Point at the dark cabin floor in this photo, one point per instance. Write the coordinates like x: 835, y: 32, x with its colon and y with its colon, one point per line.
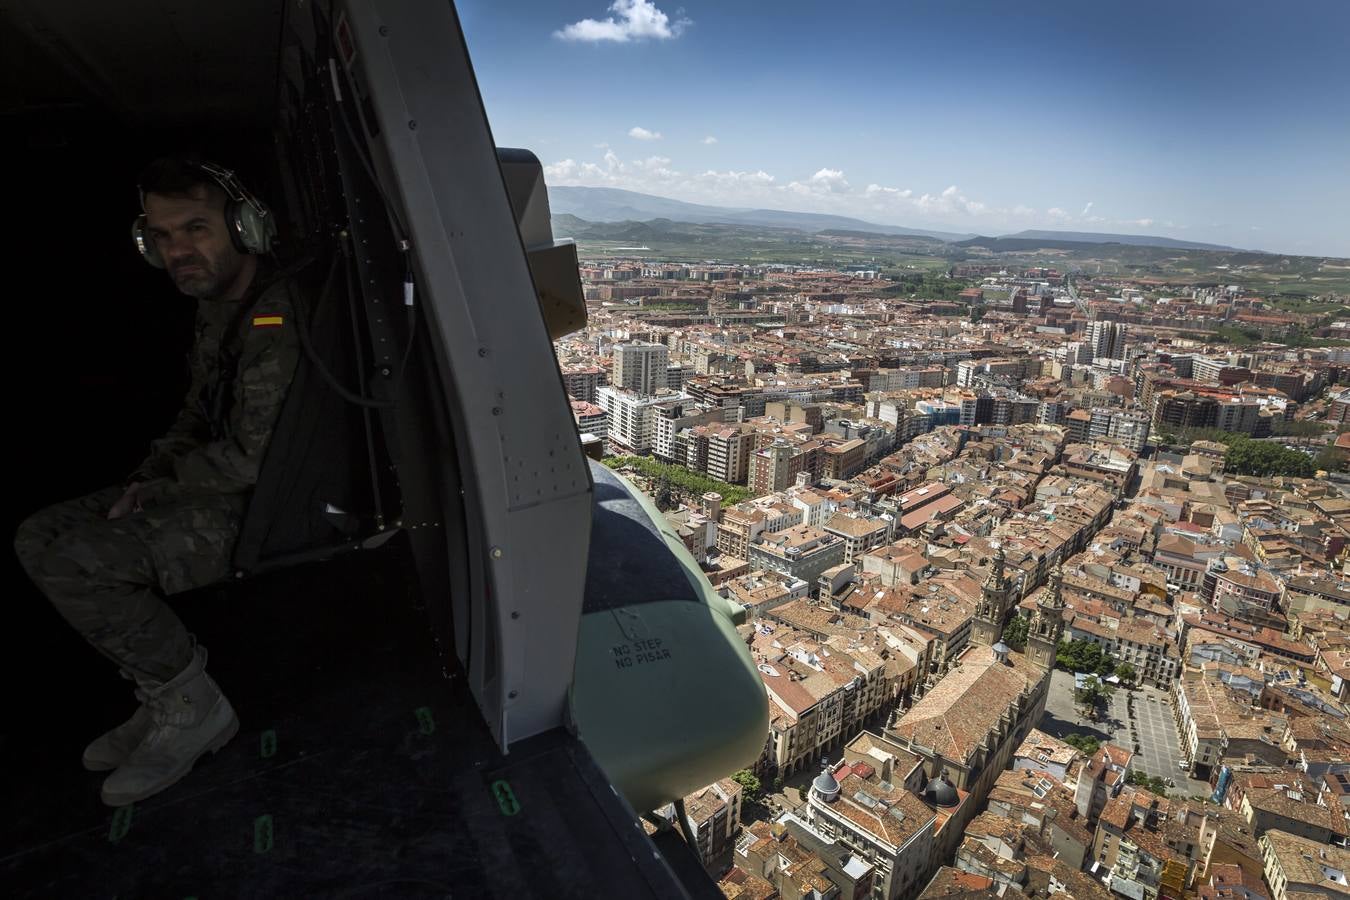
x: 360, y: 770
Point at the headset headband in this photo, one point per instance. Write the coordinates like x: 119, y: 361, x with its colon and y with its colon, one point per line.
x: 226, y: 180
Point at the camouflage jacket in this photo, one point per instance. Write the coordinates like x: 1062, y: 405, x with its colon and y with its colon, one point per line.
x: 242, y: 361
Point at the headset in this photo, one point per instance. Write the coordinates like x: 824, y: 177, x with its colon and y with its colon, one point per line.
x: 250, y: 223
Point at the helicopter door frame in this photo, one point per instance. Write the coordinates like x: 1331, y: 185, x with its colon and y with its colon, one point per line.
x: 430, y: 142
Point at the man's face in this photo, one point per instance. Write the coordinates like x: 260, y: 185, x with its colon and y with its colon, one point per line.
x: 189, y: 232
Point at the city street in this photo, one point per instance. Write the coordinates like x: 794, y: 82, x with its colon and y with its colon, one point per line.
x: 1150, y: 726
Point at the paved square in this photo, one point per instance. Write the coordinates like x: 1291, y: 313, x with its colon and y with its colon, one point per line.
x: 1140, y: 716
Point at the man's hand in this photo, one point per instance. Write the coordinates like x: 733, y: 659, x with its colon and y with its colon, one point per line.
x: 127, y: 503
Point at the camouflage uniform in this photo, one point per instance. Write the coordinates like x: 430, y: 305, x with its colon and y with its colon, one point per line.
x: 108, y: 578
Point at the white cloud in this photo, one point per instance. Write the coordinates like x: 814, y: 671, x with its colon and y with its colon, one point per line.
x: 642, y: 134
x: 827, y: 190
x: 633, y: 20
x: 601, y: 146
x: 562, y: 170
x: 758, y: 178
x: 876, y: 190
x: 825, y: 181
x: 1087, y: 209
x: 950, y: 202
x: 710, y: 140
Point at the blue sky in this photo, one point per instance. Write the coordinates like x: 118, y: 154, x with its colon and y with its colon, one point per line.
x: 1213, y: 121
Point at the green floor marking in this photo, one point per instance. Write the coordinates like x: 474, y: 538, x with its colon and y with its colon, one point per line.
x: 425, y: 723
x: 262, y: 834
x: 506, y: 798
x: 268, y: 743
x: 121, y: 823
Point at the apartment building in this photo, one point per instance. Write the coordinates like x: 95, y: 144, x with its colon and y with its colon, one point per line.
x: 590, y: 419
x: 1133, y: 846
x: 582, y: 382
x: 1235, y: 586
x: 821, y: 690
x: 640, y: 367
x: 721, y: 452
x: 715, y: 815
x: 632, y: 417
x: 802, y: 552
x: 1298, y: 867
x: 860, y: 533
x: 867, y: 803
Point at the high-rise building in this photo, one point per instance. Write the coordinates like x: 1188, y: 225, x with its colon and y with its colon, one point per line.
x: 582, y: 382
x: 1107, y: 339
x: 632, y: 417
x: 640, y: 367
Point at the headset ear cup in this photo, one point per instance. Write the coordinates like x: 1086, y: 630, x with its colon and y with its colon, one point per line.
x: 252, y: 231
x: 149, y: 252
x: 234, y: 224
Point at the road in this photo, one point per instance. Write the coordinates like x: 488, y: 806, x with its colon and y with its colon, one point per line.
x: 1073, y: 295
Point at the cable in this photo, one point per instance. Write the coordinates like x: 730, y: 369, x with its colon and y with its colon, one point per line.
x: 358, y: 397
x: 401, y: 234
x: 312, y: 355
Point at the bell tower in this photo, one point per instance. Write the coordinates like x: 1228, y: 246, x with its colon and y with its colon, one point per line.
x: 992, y: 613
x: 1047, y: 623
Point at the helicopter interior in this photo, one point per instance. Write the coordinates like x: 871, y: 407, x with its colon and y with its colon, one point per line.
x: 370, y: 762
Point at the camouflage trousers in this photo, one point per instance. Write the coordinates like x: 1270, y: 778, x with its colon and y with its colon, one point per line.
x: 109, y: 578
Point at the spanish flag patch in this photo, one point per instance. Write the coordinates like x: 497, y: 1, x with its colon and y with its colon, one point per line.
x: 267, y: 321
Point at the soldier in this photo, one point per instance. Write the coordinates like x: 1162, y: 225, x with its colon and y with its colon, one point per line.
x: 108, y: 560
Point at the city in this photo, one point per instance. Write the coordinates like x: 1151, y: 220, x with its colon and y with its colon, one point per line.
x: 1046, y: 571
x: 606, y: 448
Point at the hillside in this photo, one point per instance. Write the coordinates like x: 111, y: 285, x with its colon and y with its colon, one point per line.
x: 614, y: 205
x: 1092, y: 237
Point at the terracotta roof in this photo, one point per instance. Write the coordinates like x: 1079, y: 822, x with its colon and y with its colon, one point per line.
x: 966, y: 705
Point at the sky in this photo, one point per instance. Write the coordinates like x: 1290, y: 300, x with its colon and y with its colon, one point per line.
x: 1225, y: 122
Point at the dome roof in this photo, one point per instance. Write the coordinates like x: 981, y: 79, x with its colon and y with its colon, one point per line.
x: 941, y: 793
x: 1001, y: 649
x: 826, y: 784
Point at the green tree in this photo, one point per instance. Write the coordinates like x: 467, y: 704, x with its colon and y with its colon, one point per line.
x: 1331, y: 459
x: 1084, y: 656
x: 1015, y: 635
x: 1297, y: 428
x: 1126, y: 673
x: 749, y: 781
x: 1265, y: 458
x: 1084, y: 743
x: 691, y: 484
x: 1093, y: 692
x: 1151, y: 783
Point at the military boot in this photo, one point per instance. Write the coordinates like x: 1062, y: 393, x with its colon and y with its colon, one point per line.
x: 189, y: 716
x: 110, y: 750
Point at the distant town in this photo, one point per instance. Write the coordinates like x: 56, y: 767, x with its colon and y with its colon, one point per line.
x: 1046, y: 571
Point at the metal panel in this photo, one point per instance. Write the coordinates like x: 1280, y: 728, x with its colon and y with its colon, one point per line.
x: 502, y: 383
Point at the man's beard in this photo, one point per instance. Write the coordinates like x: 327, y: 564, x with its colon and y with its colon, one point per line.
x: 197, y: 277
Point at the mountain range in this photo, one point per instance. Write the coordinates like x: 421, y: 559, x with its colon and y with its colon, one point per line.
x: 593, y: 204
x: 615, y: 205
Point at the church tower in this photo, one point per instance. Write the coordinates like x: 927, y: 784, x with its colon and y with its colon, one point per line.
x: 992, y: 613
x: 1047, y: 623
